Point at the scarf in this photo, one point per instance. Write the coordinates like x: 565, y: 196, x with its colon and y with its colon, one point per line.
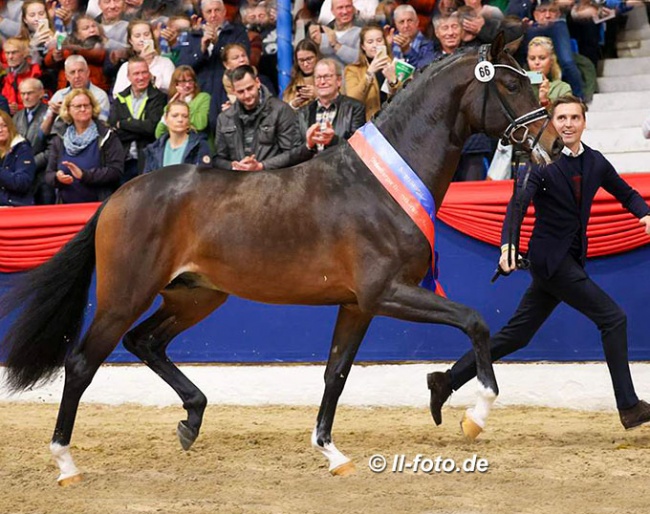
x: 75, y: 143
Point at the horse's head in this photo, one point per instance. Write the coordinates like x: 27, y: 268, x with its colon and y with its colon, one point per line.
x: 501, y: 102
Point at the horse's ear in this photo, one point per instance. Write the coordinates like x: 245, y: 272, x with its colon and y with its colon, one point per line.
x: 497, y: 46
x: 513, y: 45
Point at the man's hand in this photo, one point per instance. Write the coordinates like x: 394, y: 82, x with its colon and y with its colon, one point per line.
x: 314, y: 34
x: 508, y: 260
x: 646, y: 221
x: 248, y: 163
x: 404, y: 42
x: 317, y: 135
x: 55, y: 107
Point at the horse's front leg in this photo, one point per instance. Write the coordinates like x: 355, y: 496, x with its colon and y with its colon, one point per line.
x: 417, y: 304
x: 351, y: 326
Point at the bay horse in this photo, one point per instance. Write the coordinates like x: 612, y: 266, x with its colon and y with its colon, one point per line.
x: 324, y: 232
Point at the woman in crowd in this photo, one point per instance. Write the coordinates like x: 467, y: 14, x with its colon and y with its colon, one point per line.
x: 142, y: 42
x: 300, y: 90
x: 185, y: 88
x: 179, y: 145
x: 17, y: 166
x: 85, y: 164
x: 87, y: 39
x: 37, y: 28
x: 541, y: 57
x: 372, y: 78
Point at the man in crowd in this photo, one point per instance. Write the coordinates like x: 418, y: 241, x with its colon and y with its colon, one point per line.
x: 339, y: 116
x: 28, y: 124
x: 409, y: 43
x: 135, y: 114
x: 339, y: 39
x: 449, y: 33
x: 563, y: 194
x: 259, y: 131
x: 113, y: 22
x: 78, y: 75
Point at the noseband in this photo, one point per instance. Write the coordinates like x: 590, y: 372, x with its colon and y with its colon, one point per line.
x: 517, y: 132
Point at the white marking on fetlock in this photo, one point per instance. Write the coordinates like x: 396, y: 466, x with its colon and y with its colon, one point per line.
x: 64, y: 460
x: 485, y: 399
x: 334, y: 456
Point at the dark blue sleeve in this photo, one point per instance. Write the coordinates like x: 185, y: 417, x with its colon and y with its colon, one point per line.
x: 191, y: 54
x: 20, y: 179
x: 4, y: 104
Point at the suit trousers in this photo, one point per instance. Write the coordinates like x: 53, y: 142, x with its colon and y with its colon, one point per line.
x: 572, y: 285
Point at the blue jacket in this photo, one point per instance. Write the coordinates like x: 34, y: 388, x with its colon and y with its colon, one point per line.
x: 17, y: 173
x: 558, y: 217
x: 197, y: 152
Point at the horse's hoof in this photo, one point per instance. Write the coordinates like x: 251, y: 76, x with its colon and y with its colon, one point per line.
x: 186, y: 435
x: 470, y: 428
x: 346, y: 469
x: 74, y: 479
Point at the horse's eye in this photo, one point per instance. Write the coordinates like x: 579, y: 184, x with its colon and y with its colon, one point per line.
x: 513, y: 86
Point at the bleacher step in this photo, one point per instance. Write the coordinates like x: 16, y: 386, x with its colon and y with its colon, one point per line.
x: 613, y: 120
x: 622, y: 140
x: 620, y: 101
x: 624, y: 83
x: 626, y: 66
x: 631, y: 162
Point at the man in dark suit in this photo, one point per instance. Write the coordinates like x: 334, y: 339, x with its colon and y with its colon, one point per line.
x: 28, y: 124
x: 338, y: 115
x: 562, y: 193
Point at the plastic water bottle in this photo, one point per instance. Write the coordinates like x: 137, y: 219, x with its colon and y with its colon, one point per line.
x: 163, y: 43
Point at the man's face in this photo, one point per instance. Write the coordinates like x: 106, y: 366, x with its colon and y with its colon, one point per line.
x: 449, y: 34
x: 545, y: 14
x: 138, y: 74
x: 247, y: 91
x: 570, y: 123
x: 343, y: 11
x: 326, y: 80
x: 15, y: 56
x: 111, y: 9
x: 77, y: 74
x: 31, y: 94
x: 214, y: 13
x: 407, y: 24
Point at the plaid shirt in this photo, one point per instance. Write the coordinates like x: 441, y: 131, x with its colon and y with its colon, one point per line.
x: 323, y: 115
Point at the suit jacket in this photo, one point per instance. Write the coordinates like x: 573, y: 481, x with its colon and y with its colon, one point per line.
x: 32, y: 133
x: 350, y: 115
x: 558, y: 216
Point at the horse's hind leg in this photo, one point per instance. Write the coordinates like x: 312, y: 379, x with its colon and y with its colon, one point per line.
x: 418, y: 304
x: 351, y: 326
x: 182, y: 307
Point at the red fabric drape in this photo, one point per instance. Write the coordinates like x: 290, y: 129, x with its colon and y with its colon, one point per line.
x: 31, y: 235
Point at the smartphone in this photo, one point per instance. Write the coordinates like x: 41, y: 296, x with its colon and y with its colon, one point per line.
x: 381, y: 52
x: 535, y: 77
x: 148, y: 47
x: 299, y: 87
x: 42, y: 22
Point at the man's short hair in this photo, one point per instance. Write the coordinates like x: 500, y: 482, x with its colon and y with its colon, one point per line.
x: 438, y: 19
x: 570, y: 99
x: 205, y: 2
x: 332, y: 63
x: 241, y: 71
x: 75, y: 59
x: 30, y: 81
x: 403, y: 9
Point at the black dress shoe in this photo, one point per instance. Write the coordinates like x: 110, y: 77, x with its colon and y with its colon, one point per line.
x: 440, y: 385
x: 635, y: 416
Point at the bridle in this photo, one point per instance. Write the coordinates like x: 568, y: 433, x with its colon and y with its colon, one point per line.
x: 518, y: 131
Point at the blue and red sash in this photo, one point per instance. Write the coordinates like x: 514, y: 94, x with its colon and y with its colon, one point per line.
x: 404, y: 186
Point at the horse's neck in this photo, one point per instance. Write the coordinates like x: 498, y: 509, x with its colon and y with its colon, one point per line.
x: 431, y: 149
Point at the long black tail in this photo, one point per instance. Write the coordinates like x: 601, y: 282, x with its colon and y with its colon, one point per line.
x: 50, y: 301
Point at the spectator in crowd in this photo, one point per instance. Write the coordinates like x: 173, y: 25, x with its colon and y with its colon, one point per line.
x: 65, y: 11
x: 135, y: 114
x: 548, y: 22
x: 37, y: 29
x: 449, y: 33
x: 142, y: 43
x: 366, y: 10
x: 176, y: 34
x: 563, y: 193
x: 78, y: 75
x: 541, y: 57
x: 338, y: 116
x: 113, y: 23
x: 132, y: 9
x: 301, y: 90
x: 17, y: 168
x: 87, y: 39
x: 480, y: 22
x: 249, y: 14
x: 372, y: 78
x: 86, y: 162
x: 203, y: 52
x: 185, y: 88
x: 28, y: 124
x: 18, y: 69
x: 409, y: 43
x: 339, y: 39
x: 265, y: 26
x: 10, y: 15
x: 4, y: 105
x: 179, y: 144
x: 258, y: 132
x: 584, y: 30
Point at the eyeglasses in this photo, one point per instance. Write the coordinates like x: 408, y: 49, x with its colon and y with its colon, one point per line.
x: 81, y: 107
x: 306, y: 60
x: 326, y: 78
x: 188, y: 81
